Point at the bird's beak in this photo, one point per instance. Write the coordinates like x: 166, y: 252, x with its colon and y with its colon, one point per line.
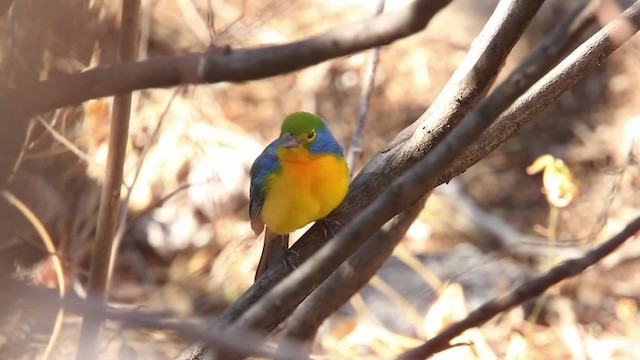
x: 288, y: 141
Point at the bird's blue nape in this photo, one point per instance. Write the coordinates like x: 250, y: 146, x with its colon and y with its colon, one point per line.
x: 325, y: 143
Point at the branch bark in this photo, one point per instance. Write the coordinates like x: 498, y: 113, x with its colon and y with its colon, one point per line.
x: 350, y: 277
x: 528, y: 290
x: 355, y: 148
x: 219, y: 64
x: 341, y: 285
x: 395, y: 159
x: 110, y: 197
x: 469, y: 83
x: 401, y: 194
x: 564, y: 76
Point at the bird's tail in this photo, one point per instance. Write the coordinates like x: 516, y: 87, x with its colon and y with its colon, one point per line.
x: 272, y: 251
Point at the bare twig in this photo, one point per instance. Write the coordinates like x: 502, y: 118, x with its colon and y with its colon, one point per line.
x: 508, y: 238
x: 194, y: 21
x: 348, y: 279
x: 124, y: 208
x: 522, y: 293
x: 602, y: 219
x: 110, y: 197
x: 23, y: 150
x: 68, y: 144
x: 157, y: 203
x: 564, y: 76
x: 129, y: 315
x: 355, y: 148
x: 217, y: 66
x: 561, y: 39
x: 57, y: 264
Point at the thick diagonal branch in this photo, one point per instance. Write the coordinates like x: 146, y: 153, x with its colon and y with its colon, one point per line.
x: 387, y: 165
x: 350, y: 277
x: 422, y: 177
x: 324, y: 300
x: 401, y: 194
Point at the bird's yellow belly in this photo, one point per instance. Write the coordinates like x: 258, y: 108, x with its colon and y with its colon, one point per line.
x: 303, y: 192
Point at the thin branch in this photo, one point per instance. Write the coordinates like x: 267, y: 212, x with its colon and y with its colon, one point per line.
x: 110, y: 196
x: 347, y: 280
x: 55, y: 258
x: 219, y: 64
x: 564, y: 76
x: 191, y: 17
x: 528, y: 290
x: 23, y: 151
x: 355, y: 148
x: 129, y: 315
x: 156, y: 204
x: 561, y: 39
x: 508, y: 238
x: 124, y: 208
x: 68, y: 144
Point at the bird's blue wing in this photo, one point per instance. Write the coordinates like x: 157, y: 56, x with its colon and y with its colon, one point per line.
x: 262, y: 167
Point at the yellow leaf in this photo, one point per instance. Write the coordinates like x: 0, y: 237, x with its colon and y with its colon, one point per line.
x: 557, y: 180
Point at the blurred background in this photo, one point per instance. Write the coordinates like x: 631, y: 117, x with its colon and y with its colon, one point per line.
x: 187, y: 249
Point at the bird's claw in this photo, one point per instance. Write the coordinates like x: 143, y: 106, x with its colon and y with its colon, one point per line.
x: 290, y: 258
x: 330, y: 226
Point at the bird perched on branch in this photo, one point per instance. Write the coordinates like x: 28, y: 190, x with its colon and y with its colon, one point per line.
x: 300, y: 177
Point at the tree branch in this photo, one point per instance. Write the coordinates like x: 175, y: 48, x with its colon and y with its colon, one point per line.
x: 528, y: 290
x: 563, y: 77
x: 355, y: 148
x: 350, y: 277
x: 110, y: 197
x: 219, y: 64
x: 402, y: 193
x: 391, y: 162
x: 471, y: 80
x: 469, y: 83
x: 422, y: 177
x: 266, y: 282
x: 529, y: 107
x: 46, y: 301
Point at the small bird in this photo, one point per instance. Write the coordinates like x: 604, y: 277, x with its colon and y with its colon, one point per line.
x: 300, y: 177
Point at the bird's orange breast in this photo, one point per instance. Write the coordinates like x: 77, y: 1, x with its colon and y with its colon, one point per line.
x: 307, y: 188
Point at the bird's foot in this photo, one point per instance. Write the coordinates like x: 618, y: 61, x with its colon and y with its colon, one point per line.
x: 291, y: 258
x: 330, y: 226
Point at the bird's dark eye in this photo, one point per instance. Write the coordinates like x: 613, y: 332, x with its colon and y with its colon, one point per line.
x: 311, y: 135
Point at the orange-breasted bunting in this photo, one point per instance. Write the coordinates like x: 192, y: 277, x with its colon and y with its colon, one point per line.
x: 300, y: 177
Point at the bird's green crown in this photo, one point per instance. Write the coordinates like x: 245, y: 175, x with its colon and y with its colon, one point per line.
x: 301, y: 123
x: 308, y: 131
